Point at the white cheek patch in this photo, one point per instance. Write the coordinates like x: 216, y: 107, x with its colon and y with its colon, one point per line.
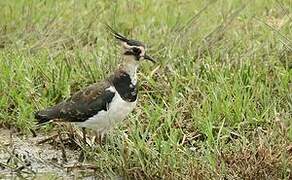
x: 126, y: 46
x: 142, y: 51
x: 111, y: 89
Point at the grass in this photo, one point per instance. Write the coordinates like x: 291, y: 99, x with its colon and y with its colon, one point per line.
x: 217, y: 105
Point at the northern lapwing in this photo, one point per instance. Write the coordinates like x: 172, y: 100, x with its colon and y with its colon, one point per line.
x: 102, y: 105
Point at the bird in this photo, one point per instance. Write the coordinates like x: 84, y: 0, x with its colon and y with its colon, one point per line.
x: 107, y: 102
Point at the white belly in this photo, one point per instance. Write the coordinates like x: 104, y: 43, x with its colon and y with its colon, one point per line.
x: 117, y: 111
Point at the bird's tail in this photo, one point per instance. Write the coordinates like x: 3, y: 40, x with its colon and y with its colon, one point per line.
x: 45, y: 115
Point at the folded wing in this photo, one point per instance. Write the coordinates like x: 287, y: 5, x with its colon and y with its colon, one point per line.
x: 81, y: 106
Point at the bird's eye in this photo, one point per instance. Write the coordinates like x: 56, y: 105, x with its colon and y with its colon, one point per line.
x: 137, y: 51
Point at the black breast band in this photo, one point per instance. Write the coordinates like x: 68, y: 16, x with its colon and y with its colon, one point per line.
x: 125, y: 88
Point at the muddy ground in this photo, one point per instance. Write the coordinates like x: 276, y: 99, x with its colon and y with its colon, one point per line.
x: 23, y: 157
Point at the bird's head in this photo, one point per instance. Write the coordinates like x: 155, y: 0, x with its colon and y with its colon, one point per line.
x: 132, y: 48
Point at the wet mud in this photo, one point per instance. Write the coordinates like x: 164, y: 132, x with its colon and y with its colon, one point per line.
x: 24, y: 157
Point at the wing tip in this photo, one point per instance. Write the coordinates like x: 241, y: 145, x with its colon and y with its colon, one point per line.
x: 41, y: 118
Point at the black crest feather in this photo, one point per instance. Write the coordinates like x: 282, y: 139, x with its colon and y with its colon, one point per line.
x: 116, y: 34
x: 130, y: 42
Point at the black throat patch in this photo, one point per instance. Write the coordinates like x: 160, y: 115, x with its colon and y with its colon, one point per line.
x: 125, y: 88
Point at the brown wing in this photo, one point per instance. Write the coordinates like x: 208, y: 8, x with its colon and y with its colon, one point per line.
x: 81, y: 106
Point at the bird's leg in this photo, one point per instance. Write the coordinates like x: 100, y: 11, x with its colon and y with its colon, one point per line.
x: 103, y: 137
x: 99, y: 137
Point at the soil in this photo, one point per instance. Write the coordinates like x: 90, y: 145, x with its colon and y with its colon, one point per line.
x: 22, y: 156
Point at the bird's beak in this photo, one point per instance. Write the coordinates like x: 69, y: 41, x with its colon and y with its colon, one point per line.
x: 149, y: 58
